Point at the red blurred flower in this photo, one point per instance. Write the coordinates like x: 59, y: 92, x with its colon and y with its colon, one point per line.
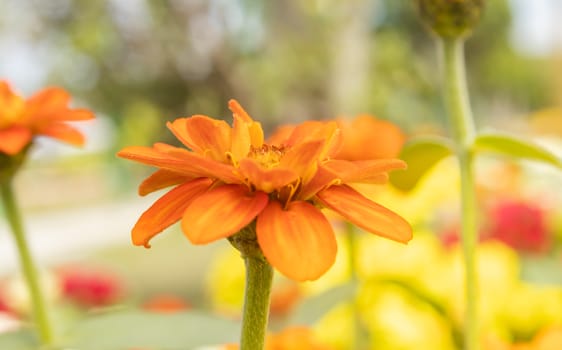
x: 520, y: 225
x: 90, y: 288
x: 3, y: 305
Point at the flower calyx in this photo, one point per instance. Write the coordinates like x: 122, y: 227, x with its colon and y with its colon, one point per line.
x: 450, y: 19
x: 246, y: 242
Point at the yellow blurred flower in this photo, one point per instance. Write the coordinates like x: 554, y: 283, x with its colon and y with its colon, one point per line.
x: 225, y: 286
x: 225, y: 281
x: 399, y: 320
x: 413, y: 263
x: 435, y: 192
x: 17, y: 295
x: 498, y: 275
x: 336, y: 327
x: 529, y: 308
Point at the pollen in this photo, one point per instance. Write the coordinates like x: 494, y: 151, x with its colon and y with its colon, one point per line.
x: 268, y: 156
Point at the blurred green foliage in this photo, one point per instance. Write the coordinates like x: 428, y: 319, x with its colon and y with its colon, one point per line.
x: 143, y: 62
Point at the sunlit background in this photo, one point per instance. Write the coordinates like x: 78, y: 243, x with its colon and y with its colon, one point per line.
x: 140, y: 63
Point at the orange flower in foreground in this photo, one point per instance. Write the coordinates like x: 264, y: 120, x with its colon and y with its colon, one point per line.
x: 42, y: 114
x: 231, y: 178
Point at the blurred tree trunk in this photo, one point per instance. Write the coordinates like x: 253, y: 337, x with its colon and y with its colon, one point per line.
x: 352, y: 51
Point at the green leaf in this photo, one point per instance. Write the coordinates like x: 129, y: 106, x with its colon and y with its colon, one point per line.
x: 509, y: 145
x: 421, y: 155
x: 541, y: 270
x: 19, y: 340
x: 310, y: 310
x: 139, y: 329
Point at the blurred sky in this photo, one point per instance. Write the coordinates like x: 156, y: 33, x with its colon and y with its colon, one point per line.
x: 536, y: 26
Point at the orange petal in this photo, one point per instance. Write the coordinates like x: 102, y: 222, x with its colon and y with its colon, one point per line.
x: 50, y: 98
x: 205, y: 135
x: 180, y: 161
x: 298, y: 241
x: 221, y: 212
x: 167, y: 210
x: 63, y: 132
x: 367, y: 171
x: 14, y: 139
x: 321, y: 179
x: 303, y: 159
x: 280, y: 135
x: 179, y: 128
x: 5, y: 90
x: 72, y: 115
x: 366, y: 214
x: 256, y: 134
x: 13, y: 106
x: 266, y: 180
x: 243, y: 120
x: 237, y: 110
x: 209, y: 134
x: 241, y: 142
x: 366, y: 137
x: 315, y: 130
x: 161, y: 179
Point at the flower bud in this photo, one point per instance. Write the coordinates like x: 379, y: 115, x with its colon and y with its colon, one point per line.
x: 450, y: 18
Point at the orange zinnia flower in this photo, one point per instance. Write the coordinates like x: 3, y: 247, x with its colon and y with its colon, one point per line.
x: 363, y: 137
x: 231, y: 178
x: 366, y: 137
x: 42, y: 114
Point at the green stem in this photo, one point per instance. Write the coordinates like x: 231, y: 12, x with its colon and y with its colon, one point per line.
x: 259, y: 278
x: 39, y: 307
x: 456, y: 92
x: 458, y: 106
x: 361, y: 338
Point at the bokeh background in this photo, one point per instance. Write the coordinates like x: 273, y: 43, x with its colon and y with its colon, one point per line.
x: 140, y: 63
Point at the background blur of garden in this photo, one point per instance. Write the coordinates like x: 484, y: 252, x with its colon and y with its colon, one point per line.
x: 140, y: 63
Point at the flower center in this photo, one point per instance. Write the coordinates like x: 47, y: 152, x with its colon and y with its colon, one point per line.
x: 268, y: 156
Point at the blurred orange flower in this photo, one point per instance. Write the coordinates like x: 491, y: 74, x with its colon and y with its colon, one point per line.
x: 166, y: 304
x: 363, y: 137
x: 294, y: 338
x: 42, y: 114
x: 366, y: 137
x: 231, y: 178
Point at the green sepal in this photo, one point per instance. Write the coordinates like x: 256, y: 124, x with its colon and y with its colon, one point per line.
x: 421, y: 154
x: 512, y: 146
